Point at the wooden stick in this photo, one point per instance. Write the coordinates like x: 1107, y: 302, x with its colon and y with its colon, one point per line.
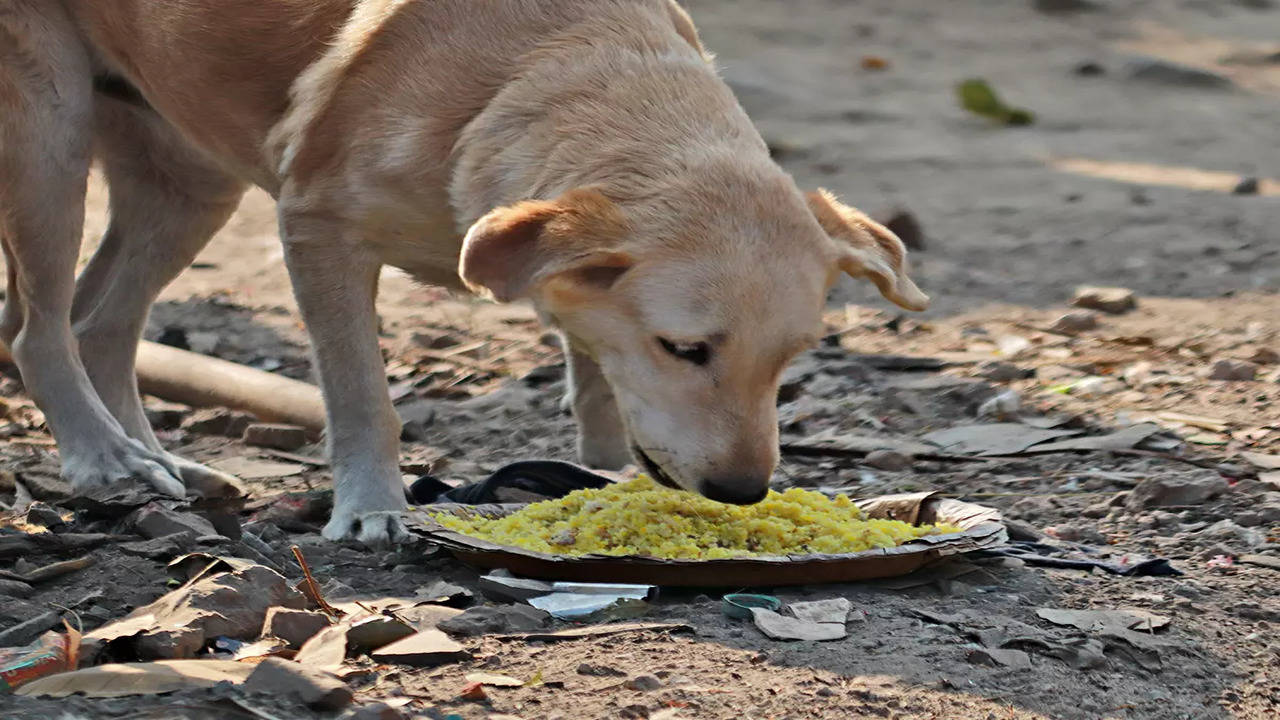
x: 202, y: 381
x: 312, y: 587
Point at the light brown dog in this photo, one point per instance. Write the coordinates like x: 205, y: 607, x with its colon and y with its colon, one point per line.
x: 582, y: 154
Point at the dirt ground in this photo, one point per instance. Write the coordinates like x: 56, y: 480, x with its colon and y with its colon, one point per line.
x: 1127, y: 178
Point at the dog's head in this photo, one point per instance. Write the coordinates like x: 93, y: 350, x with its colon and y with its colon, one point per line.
x: 692, y: 306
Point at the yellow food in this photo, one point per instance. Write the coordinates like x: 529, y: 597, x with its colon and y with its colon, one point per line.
x: 640, y: 517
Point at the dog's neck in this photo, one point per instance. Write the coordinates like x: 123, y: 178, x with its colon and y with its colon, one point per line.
x: 627, y: 114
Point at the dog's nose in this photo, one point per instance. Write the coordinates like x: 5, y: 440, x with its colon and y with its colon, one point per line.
x: 736, y: 491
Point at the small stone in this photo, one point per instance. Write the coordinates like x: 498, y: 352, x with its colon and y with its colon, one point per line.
x: 439, y: 341
x: 378, y: 711
x: 1097, y: 510
x: 1111, y: 300
x: 1246, y: 186
x: 1089, y: 68
x: 156, y: 521
x: 316, y: 689
x: 1076, y: 321
x: 1232, y: 369
x: 1166, y: 72
x: 1003, y: 406
x: 1001, y: 371
x: 162, y: 415
x: 41, y: 514
x: 275, y: 435
x: 218, y: 421
x: 14, y: 588
x: 1137, y: 373
x: 1265, y: 356
x: 1248, y: 518
x: 643, y: 682
x: 890, y: 460
x: 1166, y: 491
x: 293, y: 626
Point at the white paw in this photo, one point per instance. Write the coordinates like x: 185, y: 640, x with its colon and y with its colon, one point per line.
x: 117, y: 465
x: 380, y: 528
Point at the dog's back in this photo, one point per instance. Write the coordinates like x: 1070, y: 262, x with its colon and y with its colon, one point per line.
x: 222, y: 71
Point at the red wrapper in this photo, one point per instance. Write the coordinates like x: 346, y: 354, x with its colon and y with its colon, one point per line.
x: 52, y: 653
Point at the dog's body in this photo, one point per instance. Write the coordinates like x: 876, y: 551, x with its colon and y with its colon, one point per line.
x: 602, y: 168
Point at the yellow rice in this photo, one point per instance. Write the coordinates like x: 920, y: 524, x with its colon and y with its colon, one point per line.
x: 640, y: 517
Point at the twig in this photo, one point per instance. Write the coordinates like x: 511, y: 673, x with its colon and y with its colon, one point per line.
x: 312, y: 587
x: 58, y: 569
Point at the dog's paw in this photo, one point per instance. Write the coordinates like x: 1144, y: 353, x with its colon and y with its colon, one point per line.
x: 380, y: 529
x: 118, y: 465
x: 206, y: 482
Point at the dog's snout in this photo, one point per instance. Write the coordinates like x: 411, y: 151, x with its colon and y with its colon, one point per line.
x: 737, y: 490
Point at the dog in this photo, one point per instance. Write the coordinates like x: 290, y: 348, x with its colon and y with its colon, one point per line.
x: 583, y: 155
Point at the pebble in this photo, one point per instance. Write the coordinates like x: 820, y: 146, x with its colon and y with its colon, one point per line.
x: 1003, y: 406
x: 1076, y: 321
x: 890, y: 460
x: 1111, y: 300
x: 1265, y: 356
x: 643, y: 682
x: 1165, y: 72
x: 43, y: 515
x: 1001, y: 371
x: 1232, y: 369
x: 15, y: 588
x: 1246, y: 186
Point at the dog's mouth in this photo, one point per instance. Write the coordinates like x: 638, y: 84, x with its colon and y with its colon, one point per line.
x: 654, y: 470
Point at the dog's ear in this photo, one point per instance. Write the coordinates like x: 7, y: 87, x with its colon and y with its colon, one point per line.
x: 510, y: 251
x: 868, y: 249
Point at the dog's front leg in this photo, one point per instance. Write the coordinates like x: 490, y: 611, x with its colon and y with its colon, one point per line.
x: 602, y: 437
x: 335, y: 279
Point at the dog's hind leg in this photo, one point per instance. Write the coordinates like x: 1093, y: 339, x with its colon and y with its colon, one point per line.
x: 45, y: 134
x: 166, y: 202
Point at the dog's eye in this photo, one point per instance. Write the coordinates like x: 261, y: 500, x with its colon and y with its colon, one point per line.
x: 697, y: 353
